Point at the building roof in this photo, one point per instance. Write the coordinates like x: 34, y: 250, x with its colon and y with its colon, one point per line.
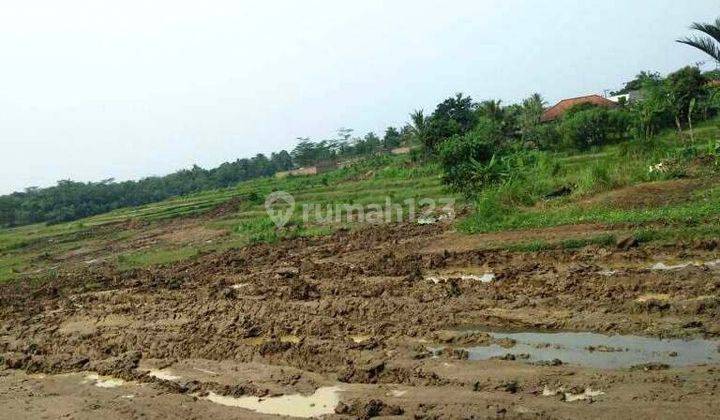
x: 561, y: 107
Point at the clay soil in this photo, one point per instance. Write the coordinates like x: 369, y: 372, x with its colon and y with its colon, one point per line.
x: 356, y: 310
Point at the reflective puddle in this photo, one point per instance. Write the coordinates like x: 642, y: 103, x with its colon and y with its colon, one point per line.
x: 163, y: 374
x: 103, y: 381
x: 601, y: 351
x: 322, y: 402
x: 484, y: 278
x: 665, y: 267
x: 587, y: 394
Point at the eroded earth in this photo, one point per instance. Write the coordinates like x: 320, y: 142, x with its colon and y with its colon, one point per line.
x: 382, y: 321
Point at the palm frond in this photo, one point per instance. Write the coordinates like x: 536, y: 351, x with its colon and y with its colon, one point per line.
x: 710, y: 29
x: 705, y: 44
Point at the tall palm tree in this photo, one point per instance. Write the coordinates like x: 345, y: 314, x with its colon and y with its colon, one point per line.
x: 419, y: 125
x: 492, y: 109
x: 709, y: 44
x: 532, y: 110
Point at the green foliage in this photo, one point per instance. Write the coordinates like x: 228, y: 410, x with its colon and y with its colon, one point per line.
x: 683, y: 88
x: 521, y: 204
x: 259, y: 230
x: 594, y: 126
x: 70, y: 200
x: 543, y: 136
x: 639, y: 82
x: 709, y: 43
x: 696, y: 212
x: 651, y: 113
x: 529, y: 118
x: 469, y: 160
x: 392, y: 138
x: 454, y: 116
x: 595, y: 178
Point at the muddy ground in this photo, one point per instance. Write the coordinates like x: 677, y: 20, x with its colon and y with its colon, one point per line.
x: 364, y: 312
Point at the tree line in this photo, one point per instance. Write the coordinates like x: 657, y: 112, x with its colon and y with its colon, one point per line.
x: 71, y: 200
x: 476, y: 143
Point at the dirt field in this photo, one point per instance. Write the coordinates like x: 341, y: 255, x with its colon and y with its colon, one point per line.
x: 378, y: 322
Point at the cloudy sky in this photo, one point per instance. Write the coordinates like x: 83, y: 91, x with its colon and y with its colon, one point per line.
x: 124, y: 89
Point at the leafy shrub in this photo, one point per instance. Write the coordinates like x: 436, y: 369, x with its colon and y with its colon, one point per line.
x: 469, y: 160
x: 595, y: 126
x: 543, y: 136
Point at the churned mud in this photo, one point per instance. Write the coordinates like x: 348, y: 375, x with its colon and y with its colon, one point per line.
x: 404, y: 320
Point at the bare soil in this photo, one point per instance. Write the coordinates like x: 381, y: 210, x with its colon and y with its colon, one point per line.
x: 357, y: 309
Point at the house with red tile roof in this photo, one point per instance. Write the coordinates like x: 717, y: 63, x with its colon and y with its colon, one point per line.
x: 557, y: 111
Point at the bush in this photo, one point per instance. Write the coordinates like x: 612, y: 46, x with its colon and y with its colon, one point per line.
x: 468, y: 161
x: 587, y: 128
x: 543, y: 136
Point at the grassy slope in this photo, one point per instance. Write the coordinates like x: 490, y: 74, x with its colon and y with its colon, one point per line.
x: 518, y: 204
x: 28, y: 249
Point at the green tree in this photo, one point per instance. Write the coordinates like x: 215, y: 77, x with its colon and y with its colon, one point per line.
x: 419, y: 127
x: 371, y: 143
x: 282, y: 161
x: 652, y: 112
x: 392, y: 138
x: 639, y: 82
x: 591, y: 127
x: 531, y: 110
x: 304, y: 154
x: 491, y: 109
x: 683, y: 88
x: 453, y: 116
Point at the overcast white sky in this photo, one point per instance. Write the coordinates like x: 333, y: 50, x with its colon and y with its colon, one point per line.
x: 125, y: 89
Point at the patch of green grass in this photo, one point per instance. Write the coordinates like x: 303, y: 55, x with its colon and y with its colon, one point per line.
x: 14, y: 263
x: 572, y: 243
x: 705, y: 208
x: 602, y: 240
x: 532, y: 246
x: 675, y: 234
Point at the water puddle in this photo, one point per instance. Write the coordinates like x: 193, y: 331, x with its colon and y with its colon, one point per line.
x: 360, y: 338
x: 664, y: 267
x: 663, y: 297
x: 208, y: 372
x: 587, y: 394
x: 103, y: 381
x: 163, y: 374
x: 322, y: 402
x: 485, y: 278
x: 600, y: 351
